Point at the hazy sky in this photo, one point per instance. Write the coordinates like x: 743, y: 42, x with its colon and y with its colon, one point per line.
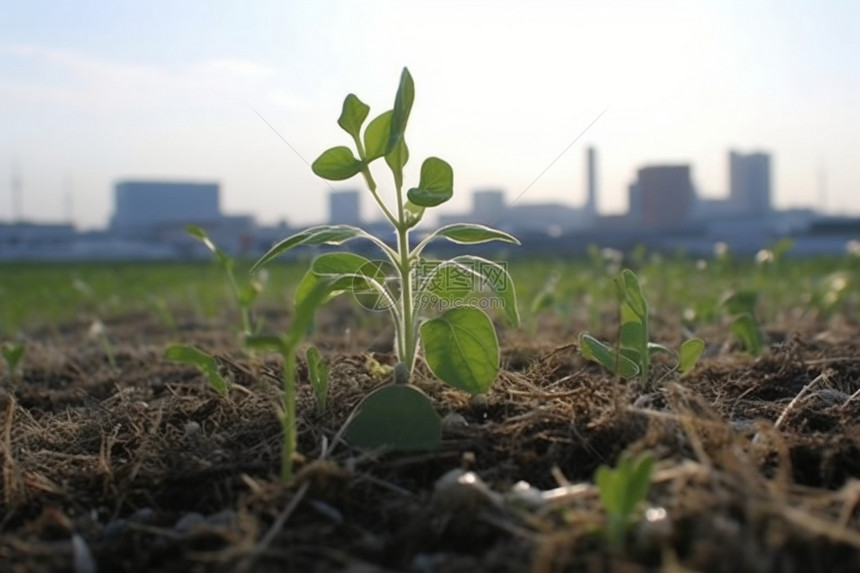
x: 96, y: 91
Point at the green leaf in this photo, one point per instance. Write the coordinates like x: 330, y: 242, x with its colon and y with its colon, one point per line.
x: 740, y: 302
x: 412, y: 214
x: 461, y: 348
x: 638, y: 481
x: 352, y: 115
x: 337, y: 164
x: 320, y: 235
x: 200, y: 234
x: 596, y: 351
x: 376, y: 136
x: 318, y: 375
x: 746, y: 329
x: 632, y: 335
x: 351, y: 273
x: 400, y: 114
x: 436, y: 184
x: 472, y: 234
x: 267, y: 343
x: 248, y: 293
x: 400, y: 417
x: 629, y: 284
x: 689, y: 354
x: 654, y: 348
x: 12, y: 354
x: 204, y: 362
x: 396, y: 159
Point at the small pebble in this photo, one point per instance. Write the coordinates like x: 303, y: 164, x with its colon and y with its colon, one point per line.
x: 191, y: 428
x: 226, y: 518
x: 82, y: 557
x: 143, y: 515
x: 188, y: 522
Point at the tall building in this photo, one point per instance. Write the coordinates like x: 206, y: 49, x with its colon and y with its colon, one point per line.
x: 750, y: 187
x: 590, y: 207
x: 344, y: 208
x: 140, y: 206
x: 488, y: 206
x: 665, y: 195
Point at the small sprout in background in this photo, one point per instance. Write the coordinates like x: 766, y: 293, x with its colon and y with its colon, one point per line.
x: 98, y: 332
x: 622, y: 491
x: 852, y: 248
x: 631, y: 358
x: 545, y: 299
x: 740, y: 306
x: 318, y: 375
x: 12, y: 352
x: 244, y: 295
x: 204, y: 362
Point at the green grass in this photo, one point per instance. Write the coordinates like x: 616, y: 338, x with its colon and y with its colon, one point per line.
x: 39, y: 295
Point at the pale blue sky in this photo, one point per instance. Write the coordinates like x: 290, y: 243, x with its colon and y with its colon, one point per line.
x: 95, y: 91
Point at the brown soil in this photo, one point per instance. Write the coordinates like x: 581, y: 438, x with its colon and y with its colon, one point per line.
x: 141, y: 467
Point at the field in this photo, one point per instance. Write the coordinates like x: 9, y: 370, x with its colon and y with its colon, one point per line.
x: 116, y: 459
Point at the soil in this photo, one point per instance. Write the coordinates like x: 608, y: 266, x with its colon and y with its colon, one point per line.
x: 139, y: 466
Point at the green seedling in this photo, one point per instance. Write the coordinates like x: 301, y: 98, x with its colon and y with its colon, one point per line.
x: 12, y: 352
x: 98, y: 332
x: 244, y: 295
x: 204, y: 362
x: 632, y: 356
x: 318, y: 374
x: 740, y: 306
x: 460, y: 345
x: 622, y: 491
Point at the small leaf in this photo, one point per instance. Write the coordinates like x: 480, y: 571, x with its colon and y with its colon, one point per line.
x: 633, y: 294
x: 472, y: 234
x: 412, y: 214
x: 12, y: 354
x: 318, y: 375
x: 638, y: 481
x: 689, y: 354
x: 740, y: 302
x: 376, y: 136
x: 596, y: 351
x: 396, y: 159
x: 400, y: 417
x: 402, y: 107
x: 204, y: 362
x: 632, y: 335
x: 319, y: 235
x: 461, y: 348
x: 436, y: 184
x: 337, y: 164
x: 476, y: 274
x: 654, y: 348
x: 200, y: 234
x: 352, y: 115
x: 267, y: 343
x: 745, y: 328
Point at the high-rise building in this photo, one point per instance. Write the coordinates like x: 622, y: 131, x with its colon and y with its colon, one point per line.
x: 749, y: 179
x: 140, y: 206
x: 344, y: 208
x: 665, y: 194
x: 590, y: 207
x: 488, y: 206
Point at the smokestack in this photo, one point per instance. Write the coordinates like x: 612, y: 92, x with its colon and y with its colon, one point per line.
x: 591, y: 199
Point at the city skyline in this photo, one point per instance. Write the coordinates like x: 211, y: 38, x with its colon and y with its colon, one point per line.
x: 95, y: 93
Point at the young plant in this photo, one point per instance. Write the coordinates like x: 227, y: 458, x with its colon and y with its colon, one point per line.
x: 206, y: 363
x: 622, y: 491
x: 12, y: 352
x: 632, y: 356
x: 460, y: 345
x: 318, y: 374
x: 740, y: 306
x: 244, y: 295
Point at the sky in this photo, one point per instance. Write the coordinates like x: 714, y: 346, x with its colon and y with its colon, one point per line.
x: 93, y: 92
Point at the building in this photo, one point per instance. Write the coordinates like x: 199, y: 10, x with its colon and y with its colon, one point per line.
x: 749, y: 180
x: 344, y: 208
x: 140, y: 206
x: 488, y: 206
x: 590, y: 207
x: 665, y: 196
